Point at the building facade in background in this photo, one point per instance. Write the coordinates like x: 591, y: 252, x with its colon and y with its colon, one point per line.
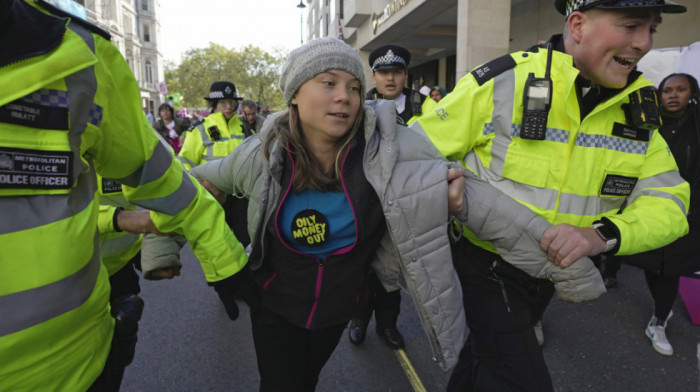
x: 447, y: 38
x: 135, y: 30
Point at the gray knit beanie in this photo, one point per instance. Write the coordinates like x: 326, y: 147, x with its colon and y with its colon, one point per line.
x: 316, y: 56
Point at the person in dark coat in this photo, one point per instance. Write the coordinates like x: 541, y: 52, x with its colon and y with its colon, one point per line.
x: 664, y: 266
x: 171, y: 127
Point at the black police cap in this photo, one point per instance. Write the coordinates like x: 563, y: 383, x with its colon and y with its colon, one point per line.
x: 389, y: 57
x: 566, y: 7
x: 222, y: 90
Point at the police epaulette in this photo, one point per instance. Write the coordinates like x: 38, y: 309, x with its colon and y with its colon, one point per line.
x: 493, y: 68
x: 84, y: 23
x: 194, y: 125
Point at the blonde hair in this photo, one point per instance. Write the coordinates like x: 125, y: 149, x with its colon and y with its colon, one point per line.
x: 307, y: 173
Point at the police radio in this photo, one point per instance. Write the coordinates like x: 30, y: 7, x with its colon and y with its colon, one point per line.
x: 643, y: 111
x: 537, y: 99
x: 214, y: 133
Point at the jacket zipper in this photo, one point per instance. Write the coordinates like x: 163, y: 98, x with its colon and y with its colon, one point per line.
x: 319, y: 276
x: 317, y: 292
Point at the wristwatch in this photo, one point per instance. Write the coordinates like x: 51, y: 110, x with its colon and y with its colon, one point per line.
x: 607, y: 234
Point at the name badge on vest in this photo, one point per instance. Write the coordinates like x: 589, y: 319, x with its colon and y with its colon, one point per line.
x: 35, y: 116
x: 615, y: 185
x: 110, y: 186
x: 627, y: 132
x: 35, y: 169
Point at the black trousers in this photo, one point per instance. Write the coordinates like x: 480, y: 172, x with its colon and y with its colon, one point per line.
x: 123, y: 282
x: 501, y: 353
x: 664, y: 290
x: 385, y: 305
x: 290, y: 358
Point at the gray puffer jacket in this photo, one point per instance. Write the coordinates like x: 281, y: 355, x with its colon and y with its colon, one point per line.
x: 409, y: 176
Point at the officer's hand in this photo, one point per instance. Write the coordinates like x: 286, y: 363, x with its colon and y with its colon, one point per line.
x: 164, y: 273
x: 565, y: 243
x: 216, y: 192
x: 137, y: 222
x: 455, y: 190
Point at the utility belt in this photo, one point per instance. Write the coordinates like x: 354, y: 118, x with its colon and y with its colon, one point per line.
x: 513, y: 282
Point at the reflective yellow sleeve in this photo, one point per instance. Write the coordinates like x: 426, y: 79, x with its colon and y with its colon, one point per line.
x: 656, y: 212
x: 455, y: 124
x: 192, y: 149
x: 105, y: 219
x: 125, y: 147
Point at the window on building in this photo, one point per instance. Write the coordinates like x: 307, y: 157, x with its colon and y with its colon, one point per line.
x: 146, y: 33
x: 149, y: 72
x: 340, y: 8
x: 144, y: 5
x: 128, y: 25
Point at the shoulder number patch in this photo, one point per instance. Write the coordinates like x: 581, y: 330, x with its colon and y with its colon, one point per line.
x: 493, y: 68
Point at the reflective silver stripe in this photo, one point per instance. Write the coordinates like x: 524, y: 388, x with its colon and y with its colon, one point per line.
x: 502, y: 117
x: 612, y: 143
x: 668, y: 179
x: 31, y: 307
x: 570, y: 203
x: 153, y: 169
x: 186, y: 161
x: 211, y: 157
x: 542, y: 198
x: 174, y: 202
x: 28, y: 212
x: 118, y: 244
x: 552, y: 134
x: 661, y: 195
x: 663, y: 180
x: 84, y: 34
x: 208, y: 156
x: 81, y: 88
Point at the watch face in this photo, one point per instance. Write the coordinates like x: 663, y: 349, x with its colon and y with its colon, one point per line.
x: 605, y: 232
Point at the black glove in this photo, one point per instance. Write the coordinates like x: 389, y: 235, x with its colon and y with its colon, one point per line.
x: 126, y: 311
x: 239, y: 284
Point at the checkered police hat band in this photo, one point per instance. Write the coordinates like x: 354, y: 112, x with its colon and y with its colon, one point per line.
x: 388, y: 59
x: 216, y: 94
x: 578, y: 5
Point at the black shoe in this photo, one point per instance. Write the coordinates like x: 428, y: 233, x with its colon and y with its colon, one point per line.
x: 357, y: 330
x: 391, y: 337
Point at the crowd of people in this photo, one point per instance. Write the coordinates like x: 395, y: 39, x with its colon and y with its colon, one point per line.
x: 320, y: 215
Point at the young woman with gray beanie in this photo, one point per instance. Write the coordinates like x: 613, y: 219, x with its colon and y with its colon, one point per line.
x: 336, y: 186
x: 318, y: 177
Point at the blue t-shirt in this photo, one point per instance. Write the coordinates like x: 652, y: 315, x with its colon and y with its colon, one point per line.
x: 317, y: 223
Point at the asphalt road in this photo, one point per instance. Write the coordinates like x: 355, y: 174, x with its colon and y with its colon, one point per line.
x: 187, y: 343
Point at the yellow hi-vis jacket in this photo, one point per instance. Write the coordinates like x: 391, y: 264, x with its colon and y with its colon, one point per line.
x: 582, y: 171
x: 70, y: 108
x: 116, y: 248
x: 212, y: 139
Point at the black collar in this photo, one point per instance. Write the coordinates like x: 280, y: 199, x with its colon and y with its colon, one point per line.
x: 28, y: 32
